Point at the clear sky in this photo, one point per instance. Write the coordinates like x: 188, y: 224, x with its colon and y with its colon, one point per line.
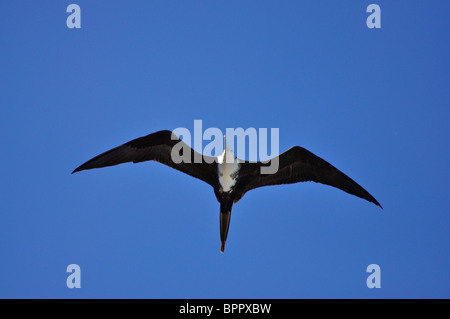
x: 373, y: 102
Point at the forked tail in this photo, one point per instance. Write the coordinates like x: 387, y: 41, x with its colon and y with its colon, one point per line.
x: 225, y: 215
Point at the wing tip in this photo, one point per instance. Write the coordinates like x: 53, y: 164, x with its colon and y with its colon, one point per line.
x: 374, y: 201
x: 378, y: 204
x: 79, y: 168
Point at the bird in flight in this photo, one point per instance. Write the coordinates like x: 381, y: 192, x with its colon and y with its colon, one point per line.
x: 230, y: 177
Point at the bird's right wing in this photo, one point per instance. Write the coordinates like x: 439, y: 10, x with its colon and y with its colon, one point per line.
x: 300, y: 165
x: 157, y: 147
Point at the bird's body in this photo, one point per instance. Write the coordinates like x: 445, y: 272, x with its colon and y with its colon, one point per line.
x: 228, y: 167
x: 230, y: 177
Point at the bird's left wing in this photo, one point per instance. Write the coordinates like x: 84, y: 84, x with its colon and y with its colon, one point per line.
x: 157, y: 147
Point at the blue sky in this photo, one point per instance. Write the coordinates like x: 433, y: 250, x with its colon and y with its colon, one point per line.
x: 373, y: 102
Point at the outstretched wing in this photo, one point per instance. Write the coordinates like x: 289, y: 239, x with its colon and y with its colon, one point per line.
x: 300, y: 165
x: 157, y: 147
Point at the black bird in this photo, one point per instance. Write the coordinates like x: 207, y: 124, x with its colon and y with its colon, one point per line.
x: 230, y: 177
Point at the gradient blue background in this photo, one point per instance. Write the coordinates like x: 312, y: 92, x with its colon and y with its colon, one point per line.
x: 374, y: 103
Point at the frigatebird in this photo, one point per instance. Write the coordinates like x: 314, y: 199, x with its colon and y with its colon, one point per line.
x: 230, y: 177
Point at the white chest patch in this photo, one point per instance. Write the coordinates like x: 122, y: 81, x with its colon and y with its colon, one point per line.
x: 228, y: 170
x: 228, y: 175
